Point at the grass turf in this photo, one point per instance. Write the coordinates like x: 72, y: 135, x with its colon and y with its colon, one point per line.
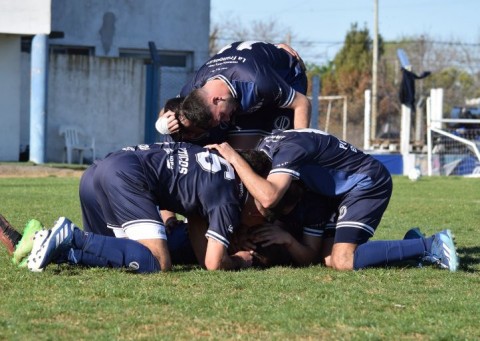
x: 279, y: 303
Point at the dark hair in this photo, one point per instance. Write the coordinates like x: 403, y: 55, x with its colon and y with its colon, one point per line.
x: 196, y: 110
x: 173, y: 104
x: 291, y: 197
x: 258, y: 160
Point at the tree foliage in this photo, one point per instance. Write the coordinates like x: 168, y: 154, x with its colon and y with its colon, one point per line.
x: 350, y: 74
x: 233, y: 30
x: 455, y: 67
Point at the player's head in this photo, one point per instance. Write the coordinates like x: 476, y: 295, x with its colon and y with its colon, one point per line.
x: 173, y: 104
x: 258, y: 160
x: 186, y: 131
x: 206, y: 109
x: 289, y: 200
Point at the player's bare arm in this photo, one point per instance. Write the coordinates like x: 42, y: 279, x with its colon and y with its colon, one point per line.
x: 302, y: 111
x: 303, y: 253
x: 267, y: 192
x: 217, y: 258
x: 211, y: 254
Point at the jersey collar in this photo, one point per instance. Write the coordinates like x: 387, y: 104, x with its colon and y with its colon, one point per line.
x: 227, y: 82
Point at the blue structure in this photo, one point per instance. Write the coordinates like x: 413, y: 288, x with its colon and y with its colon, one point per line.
x: 393, y: 162
x: 38, y: 98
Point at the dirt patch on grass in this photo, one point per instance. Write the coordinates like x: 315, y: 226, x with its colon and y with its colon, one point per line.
x: 19, y: 171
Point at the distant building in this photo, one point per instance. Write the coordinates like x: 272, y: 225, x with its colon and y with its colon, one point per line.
x: 17, y: 18
x: 100, y: 73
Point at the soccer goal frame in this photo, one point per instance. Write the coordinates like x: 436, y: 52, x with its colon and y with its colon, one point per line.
x: 449, y: 146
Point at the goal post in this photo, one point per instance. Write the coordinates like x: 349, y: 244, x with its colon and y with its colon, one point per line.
x: 453, y: 143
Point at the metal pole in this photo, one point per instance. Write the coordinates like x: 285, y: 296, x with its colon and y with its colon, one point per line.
x: 405, y: 130
x: 315, y: 102
x: 429, y: 137
x: 367, y: 116
x: 374, y: 71
x: 345, y: 118
x: 38, y: 97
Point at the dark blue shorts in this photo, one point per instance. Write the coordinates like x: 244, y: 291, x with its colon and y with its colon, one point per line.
x: 360, y: 211
x: 93, y: 201
x: 92, y: 215
x: 114, y: 192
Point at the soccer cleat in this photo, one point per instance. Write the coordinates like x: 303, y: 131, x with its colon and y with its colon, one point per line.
x: 414, y: 233
x: 25, y: 245
x: 49, y: 245
x: 443, y: 252
x: 8, y: 235
x: 23, y: 263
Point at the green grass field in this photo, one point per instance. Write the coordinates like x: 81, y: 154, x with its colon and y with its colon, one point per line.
x: 67, y: 303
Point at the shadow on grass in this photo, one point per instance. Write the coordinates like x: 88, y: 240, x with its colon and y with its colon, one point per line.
x: 469, y: 258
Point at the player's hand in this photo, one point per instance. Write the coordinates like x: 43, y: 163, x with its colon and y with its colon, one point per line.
x: 241, y: 240
x: 167, y: 123
x: 225, y: 150
x: 270, y: 234
x: 294, y: 53
x: 289, y: 49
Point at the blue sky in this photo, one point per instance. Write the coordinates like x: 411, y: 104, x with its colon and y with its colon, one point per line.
x: 325, y: 23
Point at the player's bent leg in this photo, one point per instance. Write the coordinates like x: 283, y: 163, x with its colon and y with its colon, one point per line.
x: 151, y: 234
x: 102, y: 251
x: 342, y: 256
x: 159, y: 248
x: 442, y: 251
x: 380, y: 253
x: 51, y: 245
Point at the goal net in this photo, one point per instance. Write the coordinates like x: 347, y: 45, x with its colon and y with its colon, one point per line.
x: 455, y: 151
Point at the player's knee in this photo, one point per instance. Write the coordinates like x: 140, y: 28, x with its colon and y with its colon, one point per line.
x: 165, y: 263
x: 139, y: 259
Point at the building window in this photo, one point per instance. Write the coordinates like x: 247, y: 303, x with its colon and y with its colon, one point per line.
x: 77, y: 50
x: 166, y: 58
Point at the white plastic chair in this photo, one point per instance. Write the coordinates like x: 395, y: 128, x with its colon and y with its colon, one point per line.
x: 76, y: 140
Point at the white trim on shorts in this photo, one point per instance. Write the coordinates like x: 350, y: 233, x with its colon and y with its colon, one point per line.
x: 144, y: 229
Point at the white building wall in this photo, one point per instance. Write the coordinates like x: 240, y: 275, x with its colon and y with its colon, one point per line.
x: 9, y: 97
x: 25, y: 16
x: 110, y: 101
x: 103, y: 96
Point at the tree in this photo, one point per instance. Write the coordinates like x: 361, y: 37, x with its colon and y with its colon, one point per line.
x: 233, y: 30
x: 350, y: 74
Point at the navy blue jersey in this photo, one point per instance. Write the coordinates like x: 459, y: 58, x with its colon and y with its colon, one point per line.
x: 324, y: 163
x: 258, y: 74
x: 187, y: 179
x: 313, y: 214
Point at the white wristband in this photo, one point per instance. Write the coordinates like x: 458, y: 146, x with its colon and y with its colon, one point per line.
x: 162, y: 125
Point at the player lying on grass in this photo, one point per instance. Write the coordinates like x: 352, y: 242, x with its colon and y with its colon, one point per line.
x: 130, y: 186
x: 358, y: 184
